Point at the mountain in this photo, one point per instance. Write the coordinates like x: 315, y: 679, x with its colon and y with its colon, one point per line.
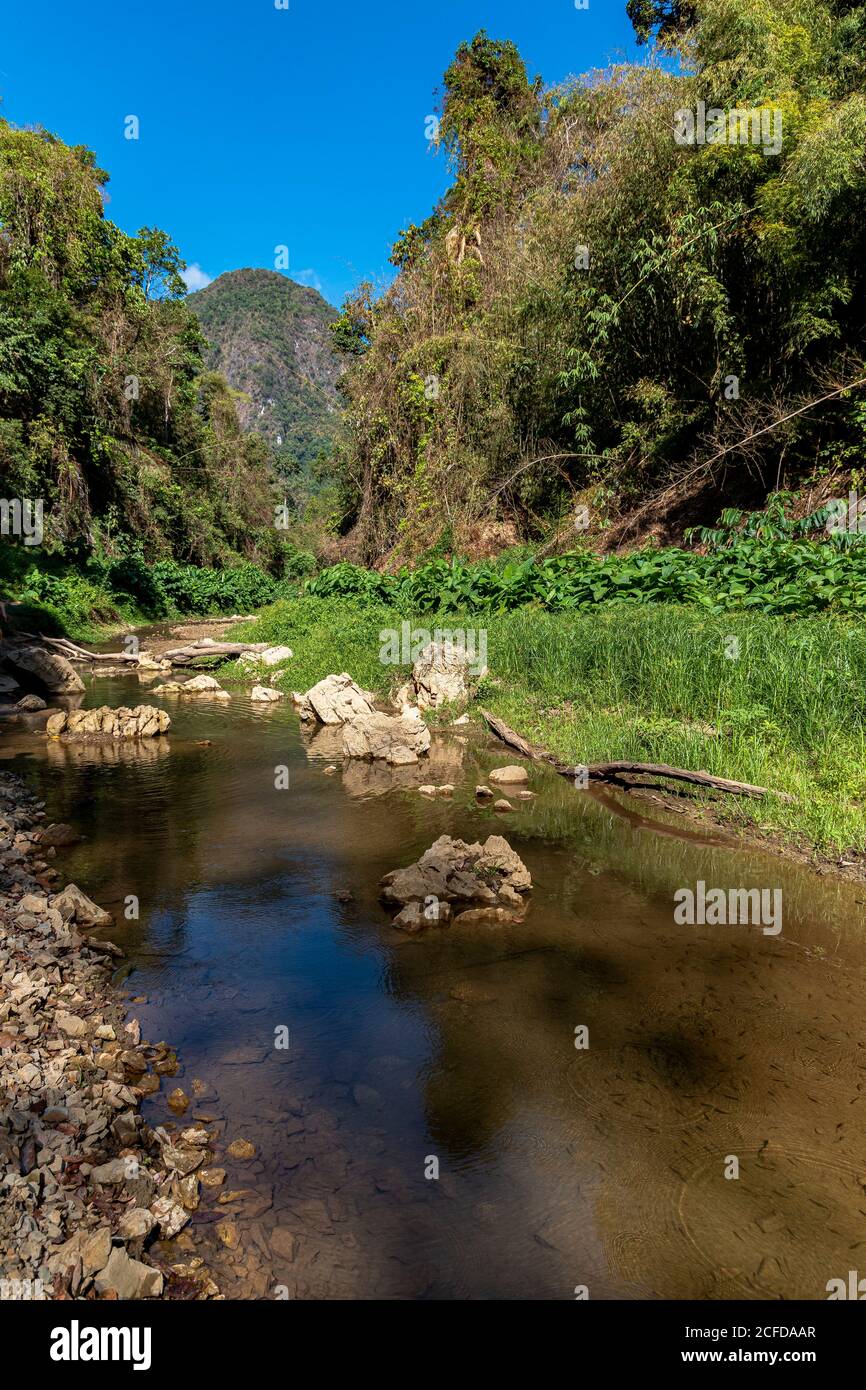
x: 269, y: 337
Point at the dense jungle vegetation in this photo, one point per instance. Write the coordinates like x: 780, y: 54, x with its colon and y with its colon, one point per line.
x: 596, y: 314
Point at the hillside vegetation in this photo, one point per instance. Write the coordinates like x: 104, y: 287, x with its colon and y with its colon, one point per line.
x: 268, y: 336
x: 107, y: 413
x: 598, y: 314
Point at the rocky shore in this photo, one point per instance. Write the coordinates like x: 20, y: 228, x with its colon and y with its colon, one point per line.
x: 88, y: 1189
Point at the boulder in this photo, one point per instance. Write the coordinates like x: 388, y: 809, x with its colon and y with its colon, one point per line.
x: 392, y: 739
x: 415, y: 916
x: 509, y: 776
x: 58, y: 835
x: 148, y: 662
x: 271, y: 656
x: 265, y: 695
x: 334, y: 700
x: 440, y: 674
x: 30, y: 704
x: 451, y: 871
x: 144, y: 721
x: 75, y: 906
x: 199, y: 685
x: 57, y: 675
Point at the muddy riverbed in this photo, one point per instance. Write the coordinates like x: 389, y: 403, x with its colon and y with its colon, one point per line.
x: 606, y: 1167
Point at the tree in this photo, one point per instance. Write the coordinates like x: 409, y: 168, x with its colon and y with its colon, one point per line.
x: 668, y: 18
x: 157, y: 265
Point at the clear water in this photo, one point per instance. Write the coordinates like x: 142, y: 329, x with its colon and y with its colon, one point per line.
x: 557, y: 1167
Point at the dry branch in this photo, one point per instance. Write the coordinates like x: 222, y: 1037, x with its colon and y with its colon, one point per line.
x: 614, y: 771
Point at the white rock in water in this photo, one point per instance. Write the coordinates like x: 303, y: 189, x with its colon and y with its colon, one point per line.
x: 171, y: 1216
x: 397, y: 740
x: 509, y: 775
x: 265, y: 695
x: 334, y: 700
x: 144, y: 721
x: 200, y: 685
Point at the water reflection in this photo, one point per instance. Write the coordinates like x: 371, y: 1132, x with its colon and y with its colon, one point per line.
x: 604, y: 1166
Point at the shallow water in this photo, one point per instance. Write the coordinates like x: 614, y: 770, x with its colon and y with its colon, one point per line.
x: 603, y: 1167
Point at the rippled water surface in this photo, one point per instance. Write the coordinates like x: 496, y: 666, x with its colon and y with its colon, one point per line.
x: 558, y: 1167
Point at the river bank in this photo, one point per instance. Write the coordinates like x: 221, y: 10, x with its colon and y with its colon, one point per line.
x: 765, y: 700
x: 260, y: 920
x: 86, y: 1183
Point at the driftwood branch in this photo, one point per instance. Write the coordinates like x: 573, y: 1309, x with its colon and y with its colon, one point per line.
x: 195, y: 651
x: 612, y: 772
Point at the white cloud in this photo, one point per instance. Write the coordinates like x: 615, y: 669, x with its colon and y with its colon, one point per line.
x: 195, y: 278
x: 308, y: 277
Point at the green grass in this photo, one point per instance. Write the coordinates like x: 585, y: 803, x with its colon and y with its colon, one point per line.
x: 787, y: 708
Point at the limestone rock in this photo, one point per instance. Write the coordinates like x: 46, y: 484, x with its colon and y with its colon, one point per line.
x: 271, y: 656
x: 440, y: 674
x: 265, y: 695
x: 415, y: 916
x: 144, y: 721
x: 128, y: 1278
x: 198, y: 685
x: 53, y: 671
x: 75, y: 906
x: 136, y: 1224
x: 509, y: 776
x: 334, y: 700
x: 59, y: 835
x: 242, y: 1149
x: 170, y: 1215
x: 29, y: 704
x: 148, y: 662
x: 453, y: 872
x: 394, y: 739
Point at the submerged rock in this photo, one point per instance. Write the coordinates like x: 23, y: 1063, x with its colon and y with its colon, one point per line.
x: 334, y: 700
x: 453, y: 872
x: 513, y: 775
x: 144, y: 721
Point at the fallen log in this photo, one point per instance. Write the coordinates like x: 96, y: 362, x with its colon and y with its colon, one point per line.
x: 73, y: 652
x: 76, y: 653
x: 194, y: 651
x: 614, y: 771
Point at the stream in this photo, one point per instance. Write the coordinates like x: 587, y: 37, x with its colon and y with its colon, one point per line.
x: 432, y: 1130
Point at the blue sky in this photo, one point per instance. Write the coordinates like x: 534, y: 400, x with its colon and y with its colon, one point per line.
x: 262, y: 127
